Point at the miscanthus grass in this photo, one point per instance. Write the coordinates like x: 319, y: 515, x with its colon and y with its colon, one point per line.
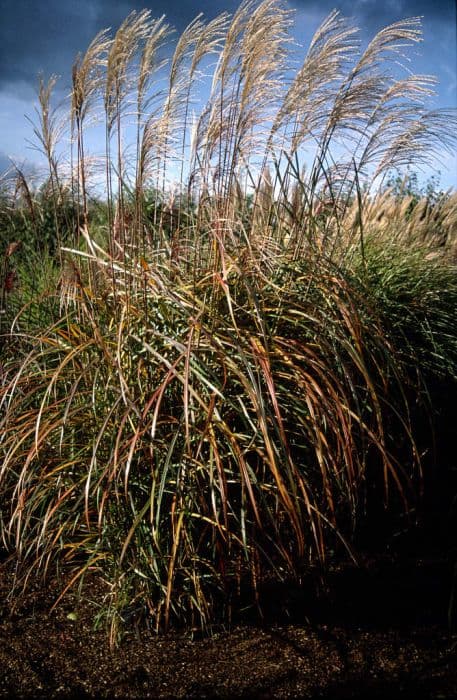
x: 229, y: 342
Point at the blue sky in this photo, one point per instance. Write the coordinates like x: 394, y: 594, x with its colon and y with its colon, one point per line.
x: 45, y: 36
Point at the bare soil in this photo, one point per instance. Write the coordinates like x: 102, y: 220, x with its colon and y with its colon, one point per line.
x: 381, y: 632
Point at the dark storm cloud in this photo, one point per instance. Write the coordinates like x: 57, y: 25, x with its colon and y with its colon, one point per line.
x: 435, y: 56
x: 39, y: 36
x: 434, y: 12
x: 46, y: 35
x: 373, y: 14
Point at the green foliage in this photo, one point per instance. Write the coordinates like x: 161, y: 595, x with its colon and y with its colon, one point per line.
x: 408, y: 186
x: 414, y: 292
x: 183, y: 446
x: 36, y: 222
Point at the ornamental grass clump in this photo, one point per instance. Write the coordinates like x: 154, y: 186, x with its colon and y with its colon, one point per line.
x: 201, y: 413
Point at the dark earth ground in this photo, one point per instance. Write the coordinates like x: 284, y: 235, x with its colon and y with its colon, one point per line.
x: 382, y: 632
